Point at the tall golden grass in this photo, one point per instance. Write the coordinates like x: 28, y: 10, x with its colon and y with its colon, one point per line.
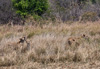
x: 49, y: 46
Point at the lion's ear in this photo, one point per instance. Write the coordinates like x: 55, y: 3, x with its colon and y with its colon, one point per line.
x: 83, y: 35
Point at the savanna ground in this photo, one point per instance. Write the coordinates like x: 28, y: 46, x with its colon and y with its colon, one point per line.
x: 48, y: 46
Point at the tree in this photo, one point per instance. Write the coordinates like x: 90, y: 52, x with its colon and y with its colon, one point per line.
x: 24, y: 7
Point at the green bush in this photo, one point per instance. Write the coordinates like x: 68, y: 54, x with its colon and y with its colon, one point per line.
x: 93, y: 1
x: 36, y: 17
x: 24, y: 7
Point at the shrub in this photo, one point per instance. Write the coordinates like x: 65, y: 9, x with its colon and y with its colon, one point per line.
x: 36, y: 17
x: 24, y: 7
x: 89, y: 16
x: 93, y: 1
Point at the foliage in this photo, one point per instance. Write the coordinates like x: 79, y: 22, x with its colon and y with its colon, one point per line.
x: 37, y: 17
x: 89, y: 16
x: 71, y: 10
x: 5, y: 11
x: 93, y: 1
x: 24, y: 7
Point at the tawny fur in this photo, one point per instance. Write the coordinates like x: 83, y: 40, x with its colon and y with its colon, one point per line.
x: 72, y: 40
x: 20, y: 43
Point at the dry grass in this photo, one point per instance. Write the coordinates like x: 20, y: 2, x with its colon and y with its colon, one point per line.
x: 49, y: 47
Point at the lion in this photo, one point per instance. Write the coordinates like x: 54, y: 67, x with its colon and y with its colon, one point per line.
x: 76, y: 40
x: 22, y: 43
